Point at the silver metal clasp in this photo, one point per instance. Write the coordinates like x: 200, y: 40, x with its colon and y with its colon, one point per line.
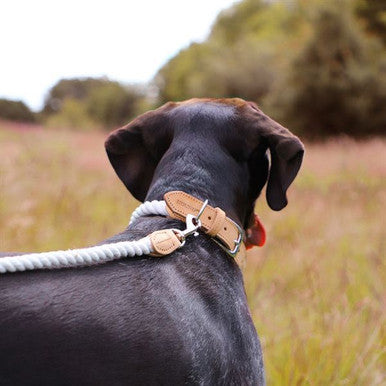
x: 193, y: 223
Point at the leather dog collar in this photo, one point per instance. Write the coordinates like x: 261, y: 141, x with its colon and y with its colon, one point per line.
x: 214, y: 221
x: 197, y: 215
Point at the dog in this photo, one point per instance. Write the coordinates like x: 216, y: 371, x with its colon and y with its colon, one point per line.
x: 173, y: 320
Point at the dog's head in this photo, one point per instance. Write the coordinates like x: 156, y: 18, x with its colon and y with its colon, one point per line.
x: 204, y: 145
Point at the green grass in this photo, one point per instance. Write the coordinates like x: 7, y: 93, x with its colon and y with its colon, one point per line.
x: 316, y: 290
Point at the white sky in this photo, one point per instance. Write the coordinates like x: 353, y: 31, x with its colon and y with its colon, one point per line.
x: 42, y: 41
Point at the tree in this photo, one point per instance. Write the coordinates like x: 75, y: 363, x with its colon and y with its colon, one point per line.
x: 87, y: 102
x: 243, y: 55
x: 336, y: 85
x: 15, y: 111
x: 75, y: 88
x: 373, y: 12
x: 112, y: 104
x: 238, y: 20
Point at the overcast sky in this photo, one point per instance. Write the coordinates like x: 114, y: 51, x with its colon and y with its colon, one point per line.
x: 44, y: 40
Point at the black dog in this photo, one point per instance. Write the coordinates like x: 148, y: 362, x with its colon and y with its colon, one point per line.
x: 180, y: 319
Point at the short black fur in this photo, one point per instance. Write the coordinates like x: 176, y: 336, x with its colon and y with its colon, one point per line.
x: 180, y: 319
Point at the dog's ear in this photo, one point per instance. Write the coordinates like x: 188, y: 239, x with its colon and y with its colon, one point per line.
x: 286, y: 156
x: 135, y: 149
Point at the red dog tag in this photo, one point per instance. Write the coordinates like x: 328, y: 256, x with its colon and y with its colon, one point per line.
x: 255, y: 234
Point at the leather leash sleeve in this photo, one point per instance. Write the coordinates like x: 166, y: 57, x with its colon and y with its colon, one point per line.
x: 164, y: 242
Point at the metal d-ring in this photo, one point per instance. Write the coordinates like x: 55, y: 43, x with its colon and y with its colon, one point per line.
x: 204, y: 205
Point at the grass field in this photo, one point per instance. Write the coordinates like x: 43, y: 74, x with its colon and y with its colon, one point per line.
x: 316, y: 290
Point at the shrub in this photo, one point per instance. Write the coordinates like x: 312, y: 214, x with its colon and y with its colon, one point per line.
x: 337, y: 84
x: 112, y: 104
x: 92, y: 102
x: 241, y: 57
x: 75, y: 88
x: 72, y: 115
x: 15, y: 111
x: 318, y: 66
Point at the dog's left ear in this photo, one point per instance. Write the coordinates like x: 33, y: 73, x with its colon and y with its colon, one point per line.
x: 135, y: 149
x: 286, y: 156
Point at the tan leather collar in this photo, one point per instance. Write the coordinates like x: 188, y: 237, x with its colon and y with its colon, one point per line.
x: 214, y: 222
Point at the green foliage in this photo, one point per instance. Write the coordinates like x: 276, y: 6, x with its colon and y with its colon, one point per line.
x: 240, y: 57
x: 308, y: 63
x: 15, y: 111
x: 77, y: 89
x: 181, y: 77
x: 373, y: 12
x: 112, y: 104
x: 237, y: 21
x: 92, y: 102
x: 335, y: 86
x: 72, y: 115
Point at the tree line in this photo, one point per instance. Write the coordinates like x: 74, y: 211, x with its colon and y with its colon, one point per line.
x: 318, y: 66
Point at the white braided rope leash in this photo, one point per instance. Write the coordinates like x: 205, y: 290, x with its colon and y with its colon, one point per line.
x: 149, y: 207
x: 87, y: 256
x: 76, y: 257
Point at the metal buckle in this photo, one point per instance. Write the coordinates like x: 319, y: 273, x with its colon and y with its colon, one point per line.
x: 193, y: 223
x: 237, y: 242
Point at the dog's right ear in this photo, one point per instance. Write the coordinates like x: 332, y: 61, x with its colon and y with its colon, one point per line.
x: 135, y: 149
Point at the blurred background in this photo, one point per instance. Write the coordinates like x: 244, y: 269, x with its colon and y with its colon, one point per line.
x: 72, y: 72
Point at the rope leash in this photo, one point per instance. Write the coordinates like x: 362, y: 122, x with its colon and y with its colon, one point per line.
x: 149, y: 207
x: 92, y: 255
x: 177, y: 204
x: 76, y: 257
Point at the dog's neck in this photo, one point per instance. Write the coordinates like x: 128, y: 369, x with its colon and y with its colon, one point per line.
x: 196, y: 178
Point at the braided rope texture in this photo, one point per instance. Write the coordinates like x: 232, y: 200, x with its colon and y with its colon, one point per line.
x: 76, y: 257
x: 87, y: 256
x: 149, y: 207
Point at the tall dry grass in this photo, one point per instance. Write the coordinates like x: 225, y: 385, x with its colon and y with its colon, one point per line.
x: 316, y: 290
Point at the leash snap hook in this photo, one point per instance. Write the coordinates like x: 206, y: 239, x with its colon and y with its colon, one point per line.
x: 191, y: 228
x: 193, y: 223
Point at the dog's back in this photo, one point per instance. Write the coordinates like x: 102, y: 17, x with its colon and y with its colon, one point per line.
x: 181, y: 319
